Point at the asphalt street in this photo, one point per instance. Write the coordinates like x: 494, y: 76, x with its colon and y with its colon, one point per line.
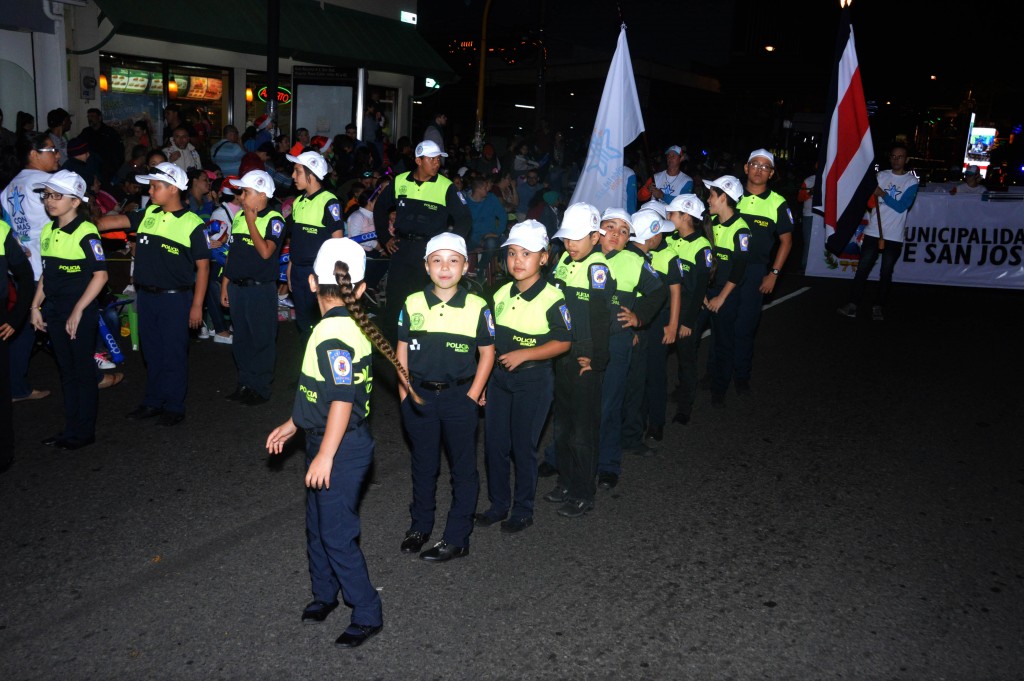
x: 859, y: 515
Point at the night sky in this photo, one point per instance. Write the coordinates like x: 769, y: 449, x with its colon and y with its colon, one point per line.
x: 901, y: 43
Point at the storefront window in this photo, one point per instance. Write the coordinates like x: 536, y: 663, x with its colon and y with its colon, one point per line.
x: 256, y: 101
x: 133, y: 90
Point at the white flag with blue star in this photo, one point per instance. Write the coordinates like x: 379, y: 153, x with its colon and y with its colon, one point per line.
x: 619, y: 122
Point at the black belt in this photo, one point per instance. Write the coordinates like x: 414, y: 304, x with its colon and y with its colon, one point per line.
x: 526, y: 365
x: 438, y: 387
x: 157, y: 289
x: 249, y: 282
x: 414, y: 237
x: 319, y: 432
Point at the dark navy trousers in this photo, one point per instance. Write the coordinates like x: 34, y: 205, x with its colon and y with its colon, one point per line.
x: 450, y: 418
x: 254, y: 318
x: 332, y: 528
x: 77, y: 365
x: 748, y: 316
x: 620, y: 350
x: 307, y: 310
x: 163, y: 335
x: 517, y: 406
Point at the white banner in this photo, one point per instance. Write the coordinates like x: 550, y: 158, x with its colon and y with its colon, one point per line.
x: 949, y: 240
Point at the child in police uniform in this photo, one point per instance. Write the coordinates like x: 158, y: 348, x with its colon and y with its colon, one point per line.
x: 74, y: 274
x: 249, y: 287
x: 638, y: 298
x: 532, y: 325
x: 171, y: 270
x: 587, y: 284
x: 696, y: 264
x: 331, y: 406
x: 440, y: 332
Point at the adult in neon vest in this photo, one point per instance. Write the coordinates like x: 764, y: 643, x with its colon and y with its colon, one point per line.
x: 249, y: 287
x: 768, y: 216
x: 14, y: 261
x: 695, y: 260
x: 440, y: 332
x: 316, y: 217
x: 23, y: 211
x: 732, y: 243
x: 638, y: 298
x: 332, y: 403
x: 74, y: 273
x: 172, y: 266
x: 532, y: 325
x: 587, y: 284
x: 426, y: 203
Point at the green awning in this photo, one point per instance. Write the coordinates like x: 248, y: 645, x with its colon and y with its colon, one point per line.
x: 330, y: 35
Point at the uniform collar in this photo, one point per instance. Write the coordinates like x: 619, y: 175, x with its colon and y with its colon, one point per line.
x: 265, y: 212
x: 763, y: 195
x: 310, y: 197
x: 458, y: 300
x: 530, y: 293
x: 734, y: 218
x: 175, y: 213
x: 73, y: 225
x: 337, y: 311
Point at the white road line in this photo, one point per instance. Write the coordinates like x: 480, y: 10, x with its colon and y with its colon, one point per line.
x: 775, y: 302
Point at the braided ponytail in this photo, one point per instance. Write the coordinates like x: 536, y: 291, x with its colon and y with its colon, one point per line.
x: 369, y: 329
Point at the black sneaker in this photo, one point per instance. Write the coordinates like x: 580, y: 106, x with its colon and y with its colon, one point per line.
x: 513, y: 525
x: 606, y: 480
x: 559, y: 495
x: 656, y: 433
x: 576, y: 508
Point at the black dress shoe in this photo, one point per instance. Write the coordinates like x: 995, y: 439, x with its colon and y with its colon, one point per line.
x: 72, y: 443
x: 513, y: 525
x: 52, y: 440
x: 607, y: 480
x: 357, y: 634
x: 443, y: 551
x: 170, y: 418
x: 414, y: 541
x: 240, y: 392
x: 317, y: 611
x: 487, y: 519
x: 656, y: 433
x: 254, y: 399
x: 681, y: 418
x: 144, y: 412
x: 546, y: 470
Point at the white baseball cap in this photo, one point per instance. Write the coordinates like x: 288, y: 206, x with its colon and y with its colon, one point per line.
x: 462, y: 171
x: 258, y: 180
x: 429, y: 148
x: 529, y: 234
x: 311, y: 160
x: 617, y: 214
x: 446, y: 241
x: 64, y: 182
x: 761, y: 152
x: 579, y: 220
x: 687, y: 203
x: 345, y: 250
x: 674, y: 148
x: 728, y: 184
x: 165, y: 172
x: 647, y: 223
x: 655, y: 205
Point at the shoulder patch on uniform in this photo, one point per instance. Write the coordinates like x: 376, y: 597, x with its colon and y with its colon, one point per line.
x: 789, y: 214
x: 490, y: 322
x: 744, y: 242
x: 341, y: 366
x: 566, y: 317
x: 461, y: 198
x: 97, y: 249
x: 650, y: 268
x: 598, y: 276
x: 335, y: 211
x: 679, y: 264
x: 401, y: 317
x: 708, y: 258
x: 276, y: 226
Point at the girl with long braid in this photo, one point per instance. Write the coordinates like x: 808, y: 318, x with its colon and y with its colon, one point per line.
x: 331, y: 406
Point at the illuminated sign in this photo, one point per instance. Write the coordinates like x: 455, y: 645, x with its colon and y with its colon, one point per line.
x: 284, y: 95
x: 408, y: 18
